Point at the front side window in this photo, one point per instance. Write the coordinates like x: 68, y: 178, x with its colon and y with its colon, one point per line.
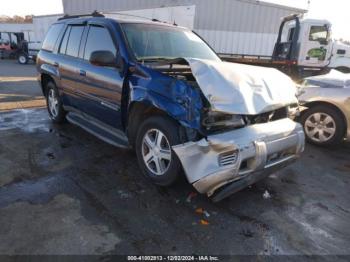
x: 318, y: 33
x: 73, y: 44
x: 51, y: 37
x: 99, y: 39
x: 151, y: 42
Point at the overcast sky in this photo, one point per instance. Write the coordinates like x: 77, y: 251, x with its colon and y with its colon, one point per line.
x: 337, y: 11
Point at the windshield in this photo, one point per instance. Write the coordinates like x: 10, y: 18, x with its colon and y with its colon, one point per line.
x: 157, y: 42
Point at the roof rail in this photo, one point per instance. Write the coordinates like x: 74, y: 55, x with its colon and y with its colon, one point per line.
x: 137, y: 16
x: 93, y: 14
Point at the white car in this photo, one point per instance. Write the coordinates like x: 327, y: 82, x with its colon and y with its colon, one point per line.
x: 326, y: 98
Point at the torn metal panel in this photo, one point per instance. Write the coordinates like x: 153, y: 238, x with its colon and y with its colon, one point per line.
x: 222, y: 158
x: 242, y: 89
x: 177, y: 98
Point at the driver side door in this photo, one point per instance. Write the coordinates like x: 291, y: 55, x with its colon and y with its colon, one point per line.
x: 315, y: 46
x: 100, y: 87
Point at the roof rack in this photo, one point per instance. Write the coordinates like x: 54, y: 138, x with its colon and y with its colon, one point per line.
x: 93, y: 14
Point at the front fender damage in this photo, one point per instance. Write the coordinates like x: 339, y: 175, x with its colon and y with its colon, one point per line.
x: 176, y: 98
x: 187, y: 89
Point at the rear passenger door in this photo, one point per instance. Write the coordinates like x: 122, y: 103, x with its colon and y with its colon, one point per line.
x: 69, y: 63
x: 101, y: 86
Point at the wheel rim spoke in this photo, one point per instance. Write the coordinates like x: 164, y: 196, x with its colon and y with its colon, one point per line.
x: 313, y: 132
x: 159, y: 139
x: 328, y: 120
x: 149, y: 157
x: 156, y: 152
x: 53, y: 103
x: 308, y: 123
x: 165, y: 154
x: 322, y: 136
x: 149, y: 143
x: 317, y: 117
x: 329, y: 130
x: 159, y: 166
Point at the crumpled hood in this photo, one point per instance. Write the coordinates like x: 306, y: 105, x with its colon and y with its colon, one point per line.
x: 242, y: 89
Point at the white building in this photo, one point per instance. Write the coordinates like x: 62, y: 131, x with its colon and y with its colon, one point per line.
x: 229, y: 26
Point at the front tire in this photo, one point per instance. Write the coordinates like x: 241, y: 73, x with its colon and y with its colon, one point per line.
x: 155, y: 156
x: 54, y: 104
x: 323, y: 126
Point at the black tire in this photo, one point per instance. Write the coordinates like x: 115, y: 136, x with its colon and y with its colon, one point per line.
x: 22, y: 59
x: 170, y: 129
x: 338, y: 136
x: 60, y: 116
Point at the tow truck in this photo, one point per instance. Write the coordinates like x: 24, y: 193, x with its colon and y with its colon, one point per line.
x: 303, y: 48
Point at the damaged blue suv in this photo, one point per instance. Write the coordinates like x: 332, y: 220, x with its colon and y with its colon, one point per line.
x: 161, y: 90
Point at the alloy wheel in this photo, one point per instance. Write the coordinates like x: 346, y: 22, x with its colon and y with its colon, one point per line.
x: 53, y: 102
x: 320, y: 127
x: 156, y: 152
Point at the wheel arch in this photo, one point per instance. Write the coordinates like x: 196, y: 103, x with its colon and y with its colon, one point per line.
x: 329, y: 105
x: 182, y: 108
x: 141, y: 110
x: 44, y: 79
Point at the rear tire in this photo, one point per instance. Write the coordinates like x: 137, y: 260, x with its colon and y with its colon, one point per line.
x: 54, y: 104
x: 22, y: 59
x: 323, y: 126
x: 157, y: 160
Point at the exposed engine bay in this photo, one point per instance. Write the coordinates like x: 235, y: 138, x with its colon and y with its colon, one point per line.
x: 218, y: 114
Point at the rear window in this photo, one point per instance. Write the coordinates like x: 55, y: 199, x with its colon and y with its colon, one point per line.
x: 51, y: 37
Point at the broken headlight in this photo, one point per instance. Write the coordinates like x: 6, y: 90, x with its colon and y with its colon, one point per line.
x: 293, y: 111
x: 217, y: 119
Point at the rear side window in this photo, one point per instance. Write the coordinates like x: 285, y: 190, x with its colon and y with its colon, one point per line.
x: 63, y: 46
x: 74, y: 40
x: 99, y: 39
x: 51, y: 37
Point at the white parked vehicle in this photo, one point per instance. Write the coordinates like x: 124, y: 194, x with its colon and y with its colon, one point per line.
x: 304, y: 47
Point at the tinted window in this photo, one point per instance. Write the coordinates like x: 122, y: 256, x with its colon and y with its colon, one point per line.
x: 52, y: 36
x: 63, y: 46
x: 99, y: 39
x: 74, y: 40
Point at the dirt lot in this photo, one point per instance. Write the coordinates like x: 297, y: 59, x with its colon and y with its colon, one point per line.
x: 62, y: 191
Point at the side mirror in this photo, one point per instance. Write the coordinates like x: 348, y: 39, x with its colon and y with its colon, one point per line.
x: 103, y: 58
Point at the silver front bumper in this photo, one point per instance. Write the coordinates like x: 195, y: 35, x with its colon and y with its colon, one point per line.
x: 223, y: 158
